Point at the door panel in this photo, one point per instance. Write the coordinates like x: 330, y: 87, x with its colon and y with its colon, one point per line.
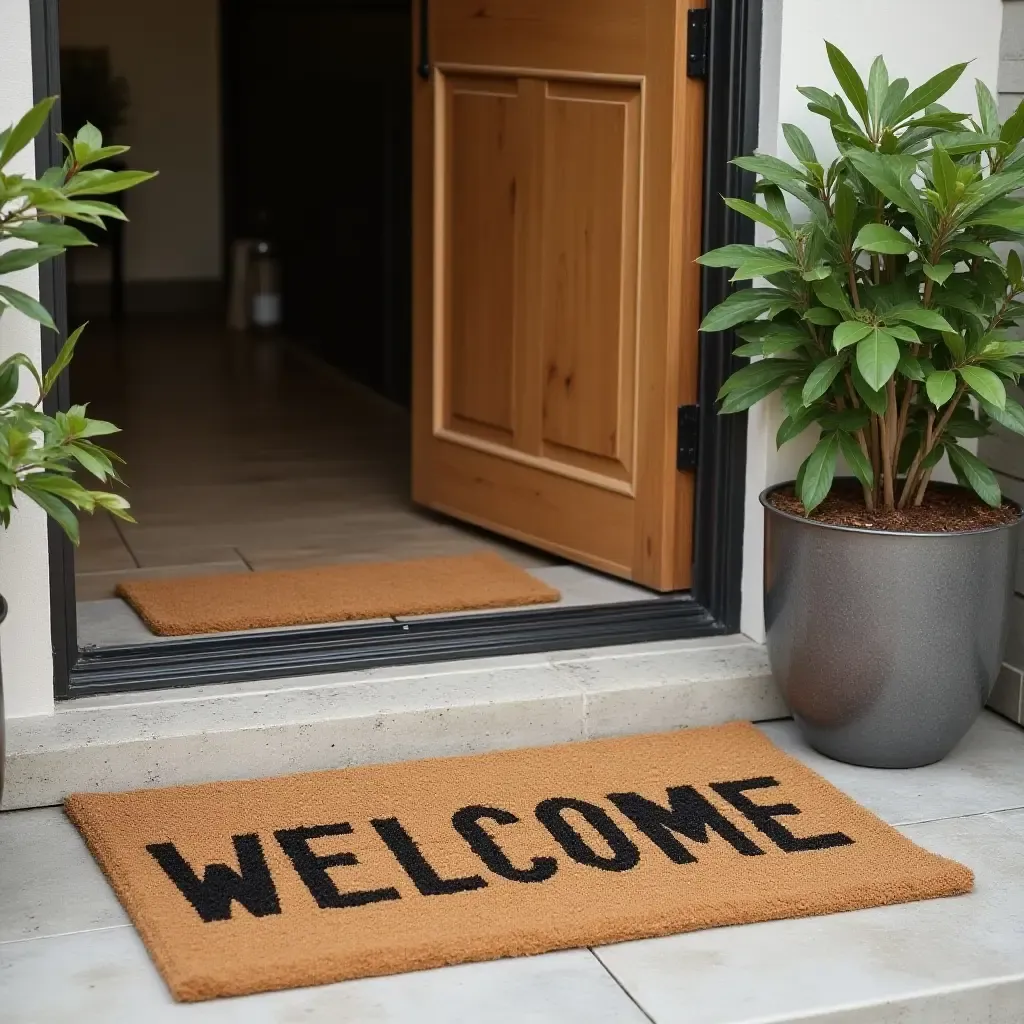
x: 556, y: 218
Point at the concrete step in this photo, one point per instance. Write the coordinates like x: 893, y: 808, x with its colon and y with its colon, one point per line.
x: 173, y: 737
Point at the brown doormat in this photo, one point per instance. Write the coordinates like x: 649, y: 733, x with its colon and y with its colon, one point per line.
x: 241, y: 887
x: 332, y: 593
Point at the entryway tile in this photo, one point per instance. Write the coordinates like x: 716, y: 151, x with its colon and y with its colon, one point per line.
x: 100, y: 585
x: 49, y: 882
x: 102, y: 548
x: 579, y: 588
x: 106, y: 977
x: 984, y: 773
x: 918, y: 963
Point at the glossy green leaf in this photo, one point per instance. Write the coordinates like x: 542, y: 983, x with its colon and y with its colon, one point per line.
x: 733, y: 255
x: 933, y: 90
x: 26, y: 304
x: 761, y: 215
x: 821, y: 316
x: 60, y: 364
x: 922, y: 317
x: 981, y: 479
x: 877, y: 357
x: 985, y: 384
x: 939, y: 272
x: 830, y: 293
x: 988, y: 109
x: 1011, y: 416
x: 819, y: 472
x: 763, y: 266
x: 799, y: 144
x: 882, y: 238
x: 876, y: 400
x: 19, y: 259
x: 878, y: 87
x: 793, y: 426
x: 821, y: 377
x: 849, y: 333
x: 858, y: 462
x: 741, y: 306
x: 26, y: 130
x: 849, y: 81
x: 54, y: 507
x: 940, y: 387
x: 47, y: 233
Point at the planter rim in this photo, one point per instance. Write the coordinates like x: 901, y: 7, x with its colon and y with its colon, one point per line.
x: 934, y: 534
x: 3, y: 609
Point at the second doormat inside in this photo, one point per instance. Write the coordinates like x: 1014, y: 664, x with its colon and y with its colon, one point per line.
x: 239, y: 887
x: 332, y: 593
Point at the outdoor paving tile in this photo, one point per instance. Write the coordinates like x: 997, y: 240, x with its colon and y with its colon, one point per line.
x: 106, y: 977
x: 49, y: 882
x: 984, y: 773
x: 946, y: 961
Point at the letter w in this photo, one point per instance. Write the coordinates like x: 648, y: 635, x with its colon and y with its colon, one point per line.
x: 689, y: 814
x: 212, y: 896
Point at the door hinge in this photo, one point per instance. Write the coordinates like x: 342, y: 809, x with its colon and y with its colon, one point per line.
x: 697, y: 26
x: 687, y: 436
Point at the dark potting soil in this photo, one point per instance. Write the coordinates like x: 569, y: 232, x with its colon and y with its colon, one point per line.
x: 945, y: 509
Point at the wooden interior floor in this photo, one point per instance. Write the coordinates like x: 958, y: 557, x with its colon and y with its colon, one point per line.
x: 243, y: 454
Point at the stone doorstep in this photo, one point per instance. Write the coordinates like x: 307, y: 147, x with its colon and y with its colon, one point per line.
x: 250, y: 730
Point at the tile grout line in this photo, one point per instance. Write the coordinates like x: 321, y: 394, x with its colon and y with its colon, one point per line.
x: 629, y: 995
x: 64, y: 935
x: 951, y: 817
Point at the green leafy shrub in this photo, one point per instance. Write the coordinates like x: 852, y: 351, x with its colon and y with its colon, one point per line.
x: 39, y: 453
x: 887, y: 317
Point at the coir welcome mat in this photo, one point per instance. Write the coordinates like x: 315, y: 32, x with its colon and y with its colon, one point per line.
x: 241, y: 887
x: 332, y: 593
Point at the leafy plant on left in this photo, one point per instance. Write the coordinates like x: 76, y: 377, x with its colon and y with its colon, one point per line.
x: 40, y: 454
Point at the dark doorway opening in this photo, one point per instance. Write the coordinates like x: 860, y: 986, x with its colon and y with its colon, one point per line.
x: 317, y: 151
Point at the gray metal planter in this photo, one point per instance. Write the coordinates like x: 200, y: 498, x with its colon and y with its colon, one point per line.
x: 886, y: 645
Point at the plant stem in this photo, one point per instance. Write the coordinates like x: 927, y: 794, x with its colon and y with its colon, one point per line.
x: 888, y: 497
x: 936, y: 436
x: 890, y: 452
x: 922, y: 487
x: 922, y: 449
x: 854, y: 293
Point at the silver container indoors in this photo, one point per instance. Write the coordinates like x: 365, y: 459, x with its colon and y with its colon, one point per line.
x: 886, y: 645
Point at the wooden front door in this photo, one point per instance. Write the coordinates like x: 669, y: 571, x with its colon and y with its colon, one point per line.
x: 557, y: 195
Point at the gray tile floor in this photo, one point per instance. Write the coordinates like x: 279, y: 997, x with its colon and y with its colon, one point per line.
x: 293, y: 467
x: 111, y: 622
x: 67, y: 951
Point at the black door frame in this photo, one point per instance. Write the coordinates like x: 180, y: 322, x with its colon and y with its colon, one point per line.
x: 711, y: 608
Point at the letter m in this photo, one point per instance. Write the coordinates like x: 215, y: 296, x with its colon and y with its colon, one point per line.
x: 688, y: 814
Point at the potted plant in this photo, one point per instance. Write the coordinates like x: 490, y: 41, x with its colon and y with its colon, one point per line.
x: 40, y: 454
x: 886, y: 321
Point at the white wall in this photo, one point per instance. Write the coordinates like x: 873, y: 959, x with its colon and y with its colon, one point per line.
x: 1004, y: 451
x: 917, y: 39
x: 24, y: 581
x: 169, y: 53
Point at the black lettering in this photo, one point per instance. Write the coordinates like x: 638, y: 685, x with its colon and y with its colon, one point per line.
x: 763, y: 817
x: 312, y: 868
x: 416, y: 866
x: 689, y: 814
x: 253, y: 886
x: 467, y: 824
x: 624, y: 854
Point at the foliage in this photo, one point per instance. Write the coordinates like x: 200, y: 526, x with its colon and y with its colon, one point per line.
x: 40, y: 454
x: 887, y: 317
